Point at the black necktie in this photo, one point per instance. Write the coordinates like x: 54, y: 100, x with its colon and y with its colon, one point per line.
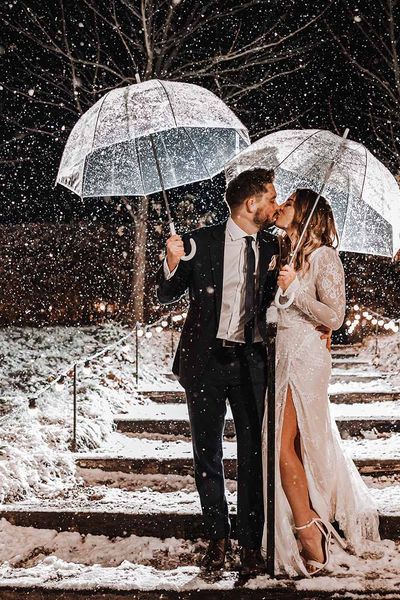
x: 250, y: 291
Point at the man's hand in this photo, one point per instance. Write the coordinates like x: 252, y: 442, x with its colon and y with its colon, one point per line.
x: 326, y: 335
x: 175, y: 251
x: 286, y: 275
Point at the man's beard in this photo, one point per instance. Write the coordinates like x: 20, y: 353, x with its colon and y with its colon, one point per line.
x: 264, y: 223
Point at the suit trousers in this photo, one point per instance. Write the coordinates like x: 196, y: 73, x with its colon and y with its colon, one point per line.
x: 237, y: 374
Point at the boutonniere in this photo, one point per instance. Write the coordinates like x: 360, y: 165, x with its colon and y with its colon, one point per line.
x: 273, y: 262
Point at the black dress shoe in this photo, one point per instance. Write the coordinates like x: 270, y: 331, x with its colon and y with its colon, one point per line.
x: 214, y: 558
x: 252, y: 562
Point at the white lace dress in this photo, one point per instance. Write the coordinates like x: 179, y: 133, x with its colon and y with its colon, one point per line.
x: 303, y: 362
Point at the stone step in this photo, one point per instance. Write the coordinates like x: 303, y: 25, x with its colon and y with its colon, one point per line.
x: 181, y: 427
x: 339, y: 354
x: 349, y: 363
x: 355, y: 378
x: 122, y: 523
x: 191, y: 586
x: 346, y: 348
x: 178, y: 397
x: 184, y: 466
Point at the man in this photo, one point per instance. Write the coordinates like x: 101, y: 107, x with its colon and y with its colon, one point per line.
x: 221, y: 354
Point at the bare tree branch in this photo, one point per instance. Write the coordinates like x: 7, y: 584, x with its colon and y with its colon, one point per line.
x: 379, y: 68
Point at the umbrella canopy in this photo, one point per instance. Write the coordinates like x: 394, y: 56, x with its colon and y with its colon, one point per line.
x: 364, y: 195
x: 150, y: 136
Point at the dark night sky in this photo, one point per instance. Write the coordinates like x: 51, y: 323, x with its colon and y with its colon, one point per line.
x: 328, y: 90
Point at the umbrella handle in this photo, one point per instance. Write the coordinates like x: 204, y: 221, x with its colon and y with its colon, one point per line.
x: 193, y: 247
x: 279, y: 294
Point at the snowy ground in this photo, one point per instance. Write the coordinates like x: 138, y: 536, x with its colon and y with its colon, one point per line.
x: 37, y: 469
x: 68, y: 561
x: 120, y: 445
x: 34, y: 443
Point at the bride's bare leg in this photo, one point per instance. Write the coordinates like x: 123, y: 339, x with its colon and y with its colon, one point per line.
x: 294, y: 483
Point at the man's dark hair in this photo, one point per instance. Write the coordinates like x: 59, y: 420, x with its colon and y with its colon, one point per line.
x: 247, y: 184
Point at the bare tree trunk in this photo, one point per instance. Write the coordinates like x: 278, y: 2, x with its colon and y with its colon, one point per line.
x: 135, y: 307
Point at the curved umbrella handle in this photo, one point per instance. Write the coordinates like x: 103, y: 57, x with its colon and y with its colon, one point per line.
x: 192, y: 252
x: 279, y: 294
x: 193, y: 246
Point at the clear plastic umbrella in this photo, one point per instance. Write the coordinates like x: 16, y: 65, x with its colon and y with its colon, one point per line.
x: 364, y: 195
x: 150, y: 137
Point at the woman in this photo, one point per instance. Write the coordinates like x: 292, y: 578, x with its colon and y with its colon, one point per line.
x: 316, y: 481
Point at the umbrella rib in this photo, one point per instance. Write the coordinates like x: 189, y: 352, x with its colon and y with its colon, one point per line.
x: 184, y: 129
x: 365, y: 172
x: 135, y: 145
x: 169, y: 101
x: 362, y: 190
x: 363, y: 183
x: 139, y: 164
x: 91, y: 147
x: 197, y: 152
x: 297, y: 147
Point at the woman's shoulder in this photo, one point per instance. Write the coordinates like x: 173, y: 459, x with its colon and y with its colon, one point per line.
x: 325, y: 254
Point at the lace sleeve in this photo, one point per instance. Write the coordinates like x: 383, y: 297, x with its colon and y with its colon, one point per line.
x: 329, y: 309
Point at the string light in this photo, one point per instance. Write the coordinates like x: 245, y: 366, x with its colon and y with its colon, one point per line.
x: 372, y: 317
x: 142, y: 330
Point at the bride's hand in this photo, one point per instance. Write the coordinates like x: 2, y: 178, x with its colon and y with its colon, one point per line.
x: 287, y: 274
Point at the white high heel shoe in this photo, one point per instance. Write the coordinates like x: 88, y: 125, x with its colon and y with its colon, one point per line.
x: 327, y: 531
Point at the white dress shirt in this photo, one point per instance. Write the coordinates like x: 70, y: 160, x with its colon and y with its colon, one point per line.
x: 231, y: 322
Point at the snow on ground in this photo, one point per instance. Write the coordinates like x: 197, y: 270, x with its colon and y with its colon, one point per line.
x: 147, y: 501
x: 75, y: 562
x: 122, y: 445
x: 178, y: 412
x: 359, y: 387
x: 172, y: 483
x: 387, y: 356
x: 37, y: 467
x: 34, y: 443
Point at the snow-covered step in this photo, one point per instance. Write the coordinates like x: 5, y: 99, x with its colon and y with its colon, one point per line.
x: 114, y: 512
x: 172, y: 419
x: 184, y: 466
x: 124, y: 446
x: 151, y: 456
x: 346, y: 348
x: 339, y: 354
x: 389, y: 408
x: 55, y: 579
x: 351, y: 363
x: 364, y: 397
x: 147, y: 456
x: 349, y: 394
x: 344, y: 376
x: 347, y: 426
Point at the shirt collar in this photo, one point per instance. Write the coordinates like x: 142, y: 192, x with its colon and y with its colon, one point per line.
x: 237, y: 232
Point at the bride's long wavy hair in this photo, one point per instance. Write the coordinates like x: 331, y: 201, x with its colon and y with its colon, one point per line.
x: 321, y: 230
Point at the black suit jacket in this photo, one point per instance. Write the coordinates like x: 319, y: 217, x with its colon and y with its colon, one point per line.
x: 203, y: 276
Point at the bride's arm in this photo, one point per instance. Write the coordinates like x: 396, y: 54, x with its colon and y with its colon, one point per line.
x: 329, y: 309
